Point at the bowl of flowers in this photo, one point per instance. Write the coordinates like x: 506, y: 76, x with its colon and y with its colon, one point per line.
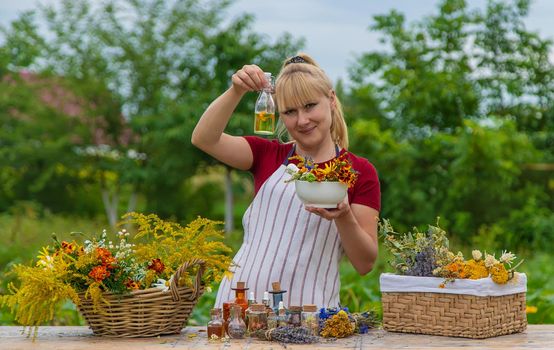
x: 322, y: 187
x: 435, y: 291
x: 138, y: 285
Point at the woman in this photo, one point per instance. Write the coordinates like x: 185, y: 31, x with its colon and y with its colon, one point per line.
x: 284, y: 241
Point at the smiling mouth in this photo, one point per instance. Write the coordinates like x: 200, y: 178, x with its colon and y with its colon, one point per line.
x: 306, y: 131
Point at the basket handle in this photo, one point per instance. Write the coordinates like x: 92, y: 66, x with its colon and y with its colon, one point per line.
x: 174, y: 283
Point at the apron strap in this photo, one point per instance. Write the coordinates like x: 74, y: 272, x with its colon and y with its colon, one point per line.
x: 291, y: 152
x: 293, y: 149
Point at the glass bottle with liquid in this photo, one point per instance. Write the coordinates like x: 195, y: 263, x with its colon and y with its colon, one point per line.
x: 215, y: 326
x: 237, y: 327
x: 264, y: 120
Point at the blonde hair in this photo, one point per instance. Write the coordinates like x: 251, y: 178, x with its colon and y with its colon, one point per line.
x: 298, y: 83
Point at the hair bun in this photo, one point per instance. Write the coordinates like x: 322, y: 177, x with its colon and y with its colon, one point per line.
x: 295, y: 59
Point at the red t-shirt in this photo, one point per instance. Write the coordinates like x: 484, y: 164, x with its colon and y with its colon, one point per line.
x: 270, y: 154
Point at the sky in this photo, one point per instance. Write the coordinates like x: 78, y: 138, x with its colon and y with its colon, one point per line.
x: 336, y: 32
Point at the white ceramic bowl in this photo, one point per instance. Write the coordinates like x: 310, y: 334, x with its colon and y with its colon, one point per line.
x: 320, y: 194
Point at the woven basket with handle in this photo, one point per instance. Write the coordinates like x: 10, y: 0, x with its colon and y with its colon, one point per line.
x: 146, y: 313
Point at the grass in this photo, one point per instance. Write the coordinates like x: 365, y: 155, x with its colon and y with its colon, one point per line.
x: 23, y: 235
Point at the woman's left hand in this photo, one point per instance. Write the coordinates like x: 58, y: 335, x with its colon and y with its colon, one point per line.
x: 331, y: 214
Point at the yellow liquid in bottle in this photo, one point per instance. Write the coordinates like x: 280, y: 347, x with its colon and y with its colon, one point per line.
x: 264, y: 123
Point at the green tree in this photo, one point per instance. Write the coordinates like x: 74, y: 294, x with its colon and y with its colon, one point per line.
x: 452, y: 113
x: 156, y: 63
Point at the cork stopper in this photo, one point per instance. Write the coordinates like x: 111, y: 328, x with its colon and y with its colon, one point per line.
x: 258, y: 307
x: 309, y: 308
x: 276, y: 286
x: 295, y: 308
x: 241, y: 285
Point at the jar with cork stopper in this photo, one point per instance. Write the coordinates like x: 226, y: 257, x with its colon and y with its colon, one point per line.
x: 277, y: 294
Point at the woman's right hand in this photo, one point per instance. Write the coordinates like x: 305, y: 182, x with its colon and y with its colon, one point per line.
x: 249, y: 78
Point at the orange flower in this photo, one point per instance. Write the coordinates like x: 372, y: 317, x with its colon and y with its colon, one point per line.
x: 67, y: 247
x: 319, y: 174
x: 103, y: 253
x: 132, y: 285
x: 109, y: 262
x: 456, y: 269
x: 106, y: 257
x: 156, y: 265
x: 99, y: 273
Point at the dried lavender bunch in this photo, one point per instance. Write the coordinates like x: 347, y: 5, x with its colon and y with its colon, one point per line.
x: 287, y: 334
x: 425, y: 262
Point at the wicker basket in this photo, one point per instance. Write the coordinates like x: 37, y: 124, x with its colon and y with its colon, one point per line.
x: 458, y: 315
x: 146, y: 313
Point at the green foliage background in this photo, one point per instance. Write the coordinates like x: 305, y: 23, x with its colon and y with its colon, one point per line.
x: 97, y: 111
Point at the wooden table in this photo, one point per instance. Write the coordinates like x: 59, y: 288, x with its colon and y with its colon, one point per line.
x: 60, y: 338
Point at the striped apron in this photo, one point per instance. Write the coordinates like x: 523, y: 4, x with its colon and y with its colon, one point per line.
x: 284, y: 242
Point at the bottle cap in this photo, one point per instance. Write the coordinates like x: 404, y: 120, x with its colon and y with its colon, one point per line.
x: 295, y: 308
x: 269, y: 79
x: 258, y: 307
x: 276, y: 286
x: 240, y: 286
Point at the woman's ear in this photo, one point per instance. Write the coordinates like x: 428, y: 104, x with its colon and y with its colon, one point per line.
x: 333, y: 98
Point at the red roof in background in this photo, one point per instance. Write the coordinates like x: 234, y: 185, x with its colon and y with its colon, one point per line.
x: 58, y: 97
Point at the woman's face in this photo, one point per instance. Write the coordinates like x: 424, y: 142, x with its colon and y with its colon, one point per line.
x: 310, y: 123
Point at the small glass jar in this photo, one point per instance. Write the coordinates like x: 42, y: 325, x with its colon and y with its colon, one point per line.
x: 295, y: 316
x: 215, y: 326
x: 240, y: 297
x: 227, y: 314
x: 257, y: 319
x: 236, y: 328
x: 265, y: 301
x: 310, y: 318
x: 282, y: 315
x: 272, y: 320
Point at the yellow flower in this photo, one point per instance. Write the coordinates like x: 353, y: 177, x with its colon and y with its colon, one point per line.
x: 228, y: 274
x: 329, y: 169
x: 499, y: 274
x: 45, y: 259
x: 476, y: 269
x: 531, y: 309
x: 338, y: 326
